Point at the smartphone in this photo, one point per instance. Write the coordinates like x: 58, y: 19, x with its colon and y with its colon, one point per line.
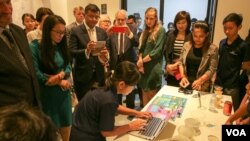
x: 188, y: 91
x: 185, y: 90
x: 181, y: 90
x: 119, y: 29
x: 98, y: 47
x: 100, y: 44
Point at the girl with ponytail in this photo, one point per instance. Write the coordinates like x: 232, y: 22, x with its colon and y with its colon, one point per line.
x: 94, y: 116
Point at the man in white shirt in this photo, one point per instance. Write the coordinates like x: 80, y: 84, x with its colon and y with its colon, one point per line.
x: 89, y: 69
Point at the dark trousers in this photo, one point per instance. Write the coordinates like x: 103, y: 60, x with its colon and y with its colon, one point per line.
x: 235, y: 95
x: 171, y: 81
x: 139, y: 90
x: 243, y: 83
x: 130, y: 100
x: 82, y: 88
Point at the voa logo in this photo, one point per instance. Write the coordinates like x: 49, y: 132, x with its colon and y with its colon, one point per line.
x: 236, y: 132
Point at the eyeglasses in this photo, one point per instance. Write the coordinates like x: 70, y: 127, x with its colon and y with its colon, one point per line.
x: 61, y: 33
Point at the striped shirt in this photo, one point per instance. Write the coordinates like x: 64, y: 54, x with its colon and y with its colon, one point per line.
x: 178, y: 44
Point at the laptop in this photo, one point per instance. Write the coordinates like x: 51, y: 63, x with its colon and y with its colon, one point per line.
x: 163, y: 108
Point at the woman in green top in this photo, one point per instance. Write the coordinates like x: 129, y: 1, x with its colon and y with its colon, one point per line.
x: 51, y: 61
x: 150, y: 55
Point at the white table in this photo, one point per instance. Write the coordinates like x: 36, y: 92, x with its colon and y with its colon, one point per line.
x: 211, y: 121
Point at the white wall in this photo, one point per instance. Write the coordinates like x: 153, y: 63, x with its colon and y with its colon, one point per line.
x: 112, y: 6
x: 59, y: 7
x: 71, y: 5
x: 140, y: 6
x: 19, y: 8
x: 172, y: 7
x: 224, y: 8
x: 64, y: 8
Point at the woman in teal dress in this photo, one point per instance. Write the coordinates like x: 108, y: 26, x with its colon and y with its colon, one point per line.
x: 150, y: 55
x: 51, y: 61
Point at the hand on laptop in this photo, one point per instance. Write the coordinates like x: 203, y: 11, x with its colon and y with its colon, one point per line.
x: 144, y: 115
x: 137, y: 124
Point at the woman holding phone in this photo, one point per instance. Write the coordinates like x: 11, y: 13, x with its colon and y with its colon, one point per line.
x: 198, y: 60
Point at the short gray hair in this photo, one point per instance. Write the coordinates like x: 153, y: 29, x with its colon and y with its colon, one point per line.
x: 122, y: 11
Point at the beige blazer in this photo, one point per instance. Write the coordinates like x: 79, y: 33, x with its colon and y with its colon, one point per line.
x: 208, y: 63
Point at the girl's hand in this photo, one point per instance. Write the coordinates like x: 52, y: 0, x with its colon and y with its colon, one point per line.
x: 144, y: 115
x: 138, y: 124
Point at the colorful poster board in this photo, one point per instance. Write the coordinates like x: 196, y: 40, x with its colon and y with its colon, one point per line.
x: 167, y: 107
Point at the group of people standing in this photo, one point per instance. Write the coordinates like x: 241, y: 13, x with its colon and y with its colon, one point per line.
x: 56, y: 50
x: 193, y: 62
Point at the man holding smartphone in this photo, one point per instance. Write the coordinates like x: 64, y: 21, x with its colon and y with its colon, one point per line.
x: 89, y: 68
x: 121, y: 43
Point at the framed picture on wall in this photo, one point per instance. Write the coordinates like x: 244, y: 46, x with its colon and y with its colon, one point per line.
x: 103, y: 8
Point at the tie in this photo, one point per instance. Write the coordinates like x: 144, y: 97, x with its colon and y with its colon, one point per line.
x: 15, y: 47
x: 121, y: 44
x: 91, y: 34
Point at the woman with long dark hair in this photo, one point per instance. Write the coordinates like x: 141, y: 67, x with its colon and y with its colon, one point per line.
x: 52, y: 64
x: 173, y: 46
x: 198, y: 60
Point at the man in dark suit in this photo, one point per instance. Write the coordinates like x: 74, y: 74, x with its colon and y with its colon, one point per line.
x: 18, y: 82
x: 121, y: 46
x: 79, y: 16
x: 89, y: 68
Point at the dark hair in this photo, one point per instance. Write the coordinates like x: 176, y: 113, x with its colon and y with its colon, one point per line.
x: 91, y: 7
x: 193, y: 20
x: 42, y: 11
x: 132, y: 17
x: 27, y: 15
x: 248, y: 72
x: 233, y: 17
x: 182, y: 15
x: 48, y: 48
x: 170, y: 23
x: 21, y: 122
x: 204, y: 26
x: 124, y: 71
x: 248, y: 37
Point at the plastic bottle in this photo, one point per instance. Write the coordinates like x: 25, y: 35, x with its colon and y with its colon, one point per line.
x: 212, y: 102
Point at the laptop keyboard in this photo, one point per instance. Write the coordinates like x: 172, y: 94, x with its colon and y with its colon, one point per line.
x: 152, y: 127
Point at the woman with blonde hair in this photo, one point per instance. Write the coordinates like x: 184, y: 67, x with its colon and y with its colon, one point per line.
x: 104, y: 22
x: 150, y: 55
